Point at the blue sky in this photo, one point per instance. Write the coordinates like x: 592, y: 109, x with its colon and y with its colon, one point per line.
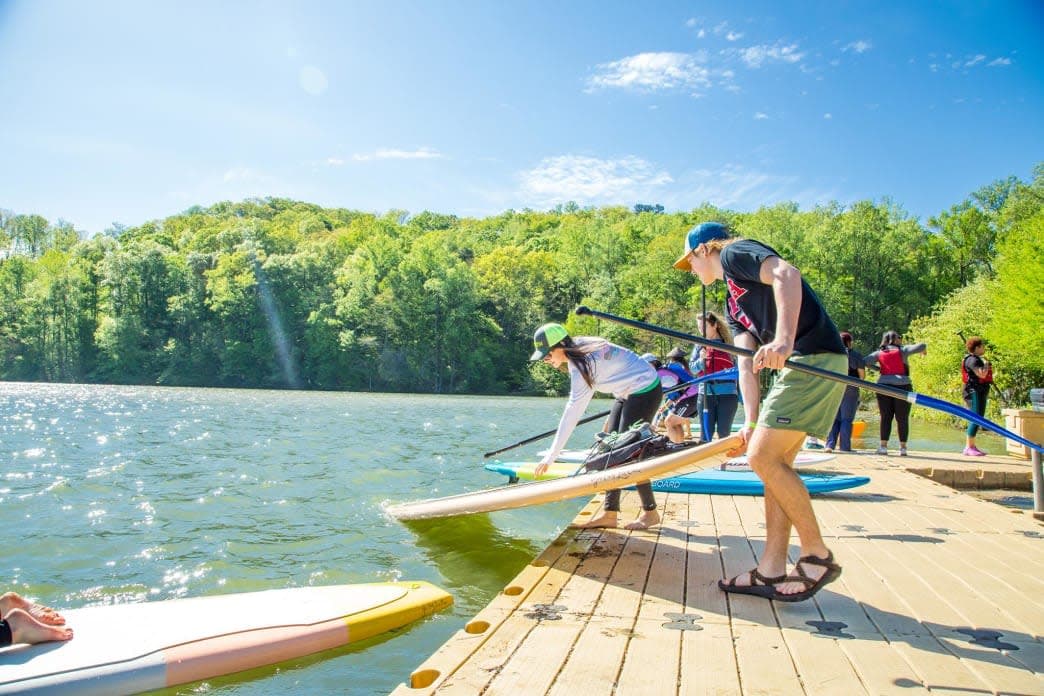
x: 130, y: 111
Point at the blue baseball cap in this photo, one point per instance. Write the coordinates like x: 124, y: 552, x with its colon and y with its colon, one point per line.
x: 700, y: 234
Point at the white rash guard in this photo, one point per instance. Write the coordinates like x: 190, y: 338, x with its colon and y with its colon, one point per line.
x: 616, y: 371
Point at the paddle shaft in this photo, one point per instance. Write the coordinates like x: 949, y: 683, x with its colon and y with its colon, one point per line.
x: 887, y: 390
x: 541, y: 436
x: 596, y: 416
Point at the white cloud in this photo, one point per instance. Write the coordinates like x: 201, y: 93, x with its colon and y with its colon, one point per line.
x: 241, y: 174
x: 997, y: 62
x: 860, y: 46
x: 392, y: 154
x: 653, y: 71
x: 591, y: 181
x: 974, y: 60
x: 733, y: 186
x: 827, y: 116
x: 312, y: 80
x: 733, y: 36
x: 756, y: 56
x: 693, y: 23
x: 760, y: 116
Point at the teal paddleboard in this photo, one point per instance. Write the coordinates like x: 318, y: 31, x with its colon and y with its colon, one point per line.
x: 710, y: 481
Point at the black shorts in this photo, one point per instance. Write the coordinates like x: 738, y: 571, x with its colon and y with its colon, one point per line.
x: 686, y: 408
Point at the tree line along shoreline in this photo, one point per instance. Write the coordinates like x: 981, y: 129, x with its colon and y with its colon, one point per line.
x: 277, y: 293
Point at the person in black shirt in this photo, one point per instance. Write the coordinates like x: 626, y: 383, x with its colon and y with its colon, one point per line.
x: 977, y: 375
x: 773, y: 311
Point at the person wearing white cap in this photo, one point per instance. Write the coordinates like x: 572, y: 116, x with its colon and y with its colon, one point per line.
x: 774, y: 312
x: 595, y: 364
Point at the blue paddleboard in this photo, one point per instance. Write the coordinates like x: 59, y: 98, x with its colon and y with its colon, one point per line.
x: 718, y: 482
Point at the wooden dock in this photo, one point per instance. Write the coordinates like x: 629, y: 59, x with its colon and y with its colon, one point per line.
x: 941, y: 593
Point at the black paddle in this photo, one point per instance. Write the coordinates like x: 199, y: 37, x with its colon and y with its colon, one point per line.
x: 911, y: 396
x: 596, y: 416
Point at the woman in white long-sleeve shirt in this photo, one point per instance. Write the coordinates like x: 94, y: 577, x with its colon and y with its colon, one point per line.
x: 595, y: 364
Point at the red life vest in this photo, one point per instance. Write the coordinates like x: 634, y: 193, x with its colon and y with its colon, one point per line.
x: 965, y: 375
x: 716, y: 361
x: 891, y: 362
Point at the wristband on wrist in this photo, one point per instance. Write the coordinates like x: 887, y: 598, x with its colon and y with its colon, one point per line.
x: 752, y: 424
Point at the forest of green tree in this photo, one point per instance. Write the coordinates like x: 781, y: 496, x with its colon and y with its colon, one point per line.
x: 286, y: 294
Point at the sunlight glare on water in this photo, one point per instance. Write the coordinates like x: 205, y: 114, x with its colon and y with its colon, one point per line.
x: 130, y: 494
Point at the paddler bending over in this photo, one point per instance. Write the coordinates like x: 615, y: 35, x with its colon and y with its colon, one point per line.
x: 772, y: 310
x: 22, y: 621
x: 595, y: 364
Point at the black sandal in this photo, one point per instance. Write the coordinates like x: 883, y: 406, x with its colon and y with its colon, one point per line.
x: 760, y: 585
x: 833, y: 572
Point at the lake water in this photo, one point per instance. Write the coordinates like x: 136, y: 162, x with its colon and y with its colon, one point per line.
x: 126, y: 494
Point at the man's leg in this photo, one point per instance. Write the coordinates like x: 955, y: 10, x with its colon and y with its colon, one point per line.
x: 771, y: 455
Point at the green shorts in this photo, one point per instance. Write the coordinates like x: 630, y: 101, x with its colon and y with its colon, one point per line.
x: 800, y: 401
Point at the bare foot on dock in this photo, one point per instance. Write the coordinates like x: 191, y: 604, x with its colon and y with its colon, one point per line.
x: 648, y: 518
x: 605, y: 520
x: 13, y: 600
x: 26, y: 629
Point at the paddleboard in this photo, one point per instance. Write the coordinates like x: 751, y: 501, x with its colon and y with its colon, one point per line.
x: 718, y: 482
x: 710, y: 481
x: 538, y: 492
x: 574, y: 458
x: 130, y: 648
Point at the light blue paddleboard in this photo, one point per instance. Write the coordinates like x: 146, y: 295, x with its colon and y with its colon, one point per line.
x: 717, y: 482
x: 711, y: 481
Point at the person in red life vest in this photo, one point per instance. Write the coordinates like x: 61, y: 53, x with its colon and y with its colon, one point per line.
x: 891, y: 360
x: 718, y: 398
x: 842, y: 428
x: 776, y: 315
x: 977, y: 375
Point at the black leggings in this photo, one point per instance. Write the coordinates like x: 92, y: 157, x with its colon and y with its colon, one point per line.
x: 899, y: 409
x: 624, y: 413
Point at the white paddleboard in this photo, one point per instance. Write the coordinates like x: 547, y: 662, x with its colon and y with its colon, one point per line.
x: 130, y: 648
x: 803, y: 459
x: 547, y: 491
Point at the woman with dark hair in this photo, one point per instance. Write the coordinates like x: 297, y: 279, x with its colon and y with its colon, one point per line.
x: 891, y: 360
x: 977, y: 375
x: 595, y: 364
x: 842, y: 427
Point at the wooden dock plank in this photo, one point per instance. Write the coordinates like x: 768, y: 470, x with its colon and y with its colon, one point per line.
x: 708, y: 662
x: 822, y: 664
x: 765, y: 664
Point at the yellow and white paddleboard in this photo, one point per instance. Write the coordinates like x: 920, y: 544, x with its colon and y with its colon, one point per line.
x: 130, y: 648
x: 548, y: 491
